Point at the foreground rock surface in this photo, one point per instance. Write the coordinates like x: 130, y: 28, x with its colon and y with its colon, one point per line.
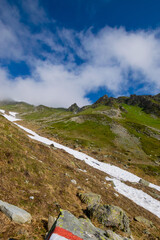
x: 67, y: 226
x: 16, y: 214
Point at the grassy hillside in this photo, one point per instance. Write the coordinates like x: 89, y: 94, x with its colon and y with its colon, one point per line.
x: 29, y: 169
x: 126, y: 137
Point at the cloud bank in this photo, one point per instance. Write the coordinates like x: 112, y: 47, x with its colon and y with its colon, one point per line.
x: 66, y: 65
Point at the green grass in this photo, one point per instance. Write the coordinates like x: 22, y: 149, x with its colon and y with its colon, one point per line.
x: 95, y: 130
x: 137, y: 122
x: 150, y: 145
x: 136, y: 115
x: 36, y: 115
x: 91, y: 110
x: 20, y: 107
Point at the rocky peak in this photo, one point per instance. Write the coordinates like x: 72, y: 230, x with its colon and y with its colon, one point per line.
x: 150, y: 104
x: 74, y: 108
x: 105, y: 100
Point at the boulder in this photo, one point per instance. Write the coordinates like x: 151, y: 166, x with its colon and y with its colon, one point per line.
x: 16, y: 214
x: 109, y: 215
x: 144, y: 221
x: 144, y: 182
x: 89, y: 198
x: 105, y: 100
x: 67, y: 226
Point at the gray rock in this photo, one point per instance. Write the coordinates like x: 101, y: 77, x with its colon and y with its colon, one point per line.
x: 82, y: 228
x: 114, y: 236
x: 144, y: 221
x: 16, y: 214
x: 51, y: 221
x: 143, y: 182
x: 89, y: 198
x: 74, y: 181
x: 109, y: 215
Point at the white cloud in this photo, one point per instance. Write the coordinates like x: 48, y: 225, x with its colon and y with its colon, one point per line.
x: 137, y: 52
x: 34, y: 11
x: 113, y: 58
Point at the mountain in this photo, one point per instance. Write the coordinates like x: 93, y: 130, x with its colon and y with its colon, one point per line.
x: 149, y: 104
x: 123, y: 131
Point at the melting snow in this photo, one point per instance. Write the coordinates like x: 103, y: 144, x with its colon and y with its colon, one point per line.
x: 13, y: 114
x: 11, y: 118
x: 2, y: 111
x: 138, y: 196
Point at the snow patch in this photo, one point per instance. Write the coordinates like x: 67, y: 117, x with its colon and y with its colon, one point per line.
x: 2, y: 111
x: 13, y: 114
x: 11, y: 118
x: 138, y: 196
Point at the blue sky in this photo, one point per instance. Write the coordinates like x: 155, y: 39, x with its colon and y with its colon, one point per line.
x: 57, y: 52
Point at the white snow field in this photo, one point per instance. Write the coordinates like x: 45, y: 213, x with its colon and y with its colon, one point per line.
x: 138, y: 196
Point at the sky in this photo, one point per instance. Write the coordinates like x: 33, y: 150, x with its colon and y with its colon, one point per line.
x: 58, y: 52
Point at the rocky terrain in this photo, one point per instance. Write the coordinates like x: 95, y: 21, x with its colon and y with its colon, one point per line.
x: 46, y: 186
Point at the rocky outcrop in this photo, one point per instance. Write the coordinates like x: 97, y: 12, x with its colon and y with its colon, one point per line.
x: 157, y: 97
x: 16, y: 214
x: 105, y: 100
x: 150, y: 104
x: 74, y: 108
x: 89, y: 198
x: 67, y: 226
x: 109, y: 216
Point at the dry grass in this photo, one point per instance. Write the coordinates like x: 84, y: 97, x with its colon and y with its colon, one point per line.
x: 29, y: 168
